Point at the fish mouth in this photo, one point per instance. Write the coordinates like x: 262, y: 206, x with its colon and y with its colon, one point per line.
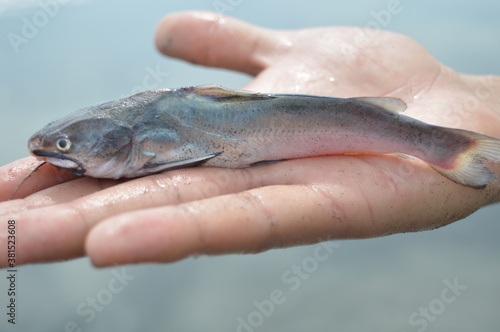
x: 61, y: 161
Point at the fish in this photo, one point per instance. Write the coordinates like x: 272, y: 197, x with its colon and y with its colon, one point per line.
x: 160, y: 130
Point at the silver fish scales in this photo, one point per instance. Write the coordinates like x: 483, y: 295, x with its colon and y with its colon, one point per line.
x: 160, y: 130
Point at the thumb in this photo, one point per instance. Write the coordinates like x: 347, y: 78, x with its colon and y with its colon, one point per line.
x: 215, y: 40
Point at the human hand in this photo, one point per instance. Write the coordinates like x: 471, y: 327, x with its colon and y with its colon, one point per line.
x: 169, y: 216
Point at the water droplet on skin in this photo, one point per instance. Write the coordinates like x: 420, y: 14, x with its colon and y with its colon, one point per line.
x: 161, y: 184
x: 332, y: 79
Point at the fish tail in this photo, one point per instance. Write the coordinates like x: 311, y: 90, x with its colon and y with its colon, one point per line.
x: 469, y: 166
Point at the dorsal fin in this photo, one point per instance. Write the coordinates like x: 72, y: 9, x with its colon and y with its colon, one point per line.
x: 393, y: 105
x: 218, y: 92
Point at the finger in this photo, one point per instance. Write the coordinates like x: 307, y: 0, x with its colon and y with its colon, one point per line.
x: 11, y: 175
x: 57, y: 232
x: 247, y: 221
x: 361, y: 202
x: 61, y: 193
x: 216, y: 40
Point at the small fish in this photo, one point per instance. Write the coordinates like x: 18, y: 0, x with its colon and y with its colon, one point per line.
x: 160, y: 130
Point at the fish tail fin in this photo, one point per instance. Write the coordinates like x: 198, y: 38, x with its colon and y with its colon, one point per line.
x: 469, y: 166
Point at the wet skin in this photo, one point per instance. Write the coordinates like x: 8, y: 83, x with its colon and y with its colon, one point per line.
x: 212, y: 210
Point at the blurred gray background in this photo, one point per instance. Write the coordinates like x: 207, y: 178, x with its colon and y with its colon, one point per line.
x: 93, y: 51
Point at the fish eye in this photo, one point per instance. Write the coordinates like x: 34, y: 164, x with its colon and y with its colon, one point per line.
x: 63, y: 144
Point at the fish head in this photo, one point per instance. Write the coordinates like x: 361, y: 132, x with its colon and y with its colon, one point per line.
x: 97, y: 147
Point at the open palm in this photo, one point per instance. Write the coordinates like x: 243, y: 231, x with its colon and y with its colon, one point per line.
x: 168, y: 216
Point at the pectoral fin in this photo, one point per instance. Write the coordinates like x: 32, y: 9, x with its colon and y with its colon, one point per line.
x: 150, y: 168
x: 227, y: 95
